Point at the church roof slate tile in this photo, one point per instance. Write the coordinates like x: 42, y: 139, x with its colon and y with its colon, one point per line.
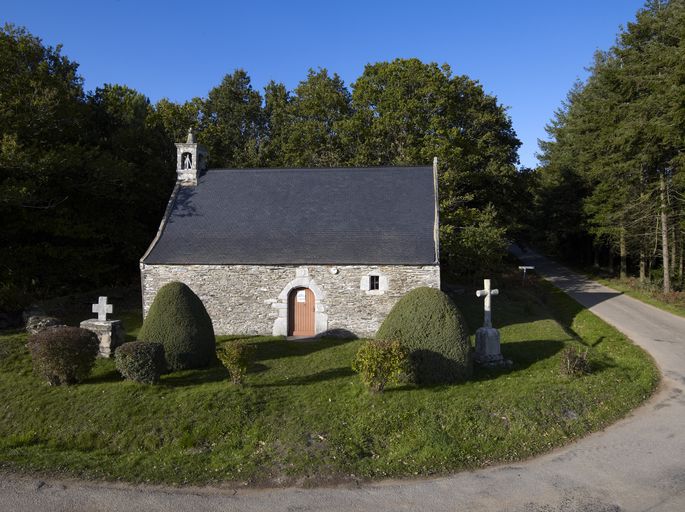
x: 337, y: 216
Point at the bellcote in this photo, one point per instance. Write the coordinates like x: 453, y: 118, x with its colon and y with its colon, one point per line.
x: 191, y: 160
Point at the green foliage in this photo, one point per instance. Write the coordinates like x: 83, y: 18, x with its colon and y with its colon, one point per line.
x: 179, y: 321
x: 63, y: 355
x: 381, y: 362
x: 407, y: 112
x: 479, y: 247
x: 306, y: 417
x: 140, y: 361
x: 74, y: 168
x: 304, y: 127
x: 232, y: 122
x: 427, y: 323
x: 235, y: 356
x: 574, y: 362
x: 614, y: 161
x: 177, y: 118
x: 13, y: 298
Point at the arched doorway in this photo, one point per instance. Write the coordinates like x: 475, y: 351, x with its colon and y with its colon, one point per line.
x: 301, y: 312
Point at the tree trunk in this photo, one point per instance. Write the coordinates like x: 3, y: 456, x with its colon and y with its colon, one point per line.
x: 680, y: 261
x: 664, y: 235
x: 623, y: 252
x: 595, y: 256
x: 611, y: 261
x: 674, y: 245
x: 643, y: 266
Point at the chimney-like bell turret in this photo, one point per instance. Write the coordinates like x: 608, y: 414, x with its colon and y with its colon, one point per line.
x: 191, y: 160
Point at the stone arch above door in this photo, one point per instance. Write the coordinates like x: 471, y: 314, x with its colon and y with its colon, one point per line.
x: 302, y: 280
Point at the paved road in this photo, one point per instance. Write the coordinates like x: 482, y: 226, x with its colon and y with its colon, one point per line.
x: 637, y: 464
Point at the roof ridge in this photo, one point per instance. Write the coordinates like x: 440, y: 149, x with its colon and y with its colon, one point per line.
x: 370, y: 168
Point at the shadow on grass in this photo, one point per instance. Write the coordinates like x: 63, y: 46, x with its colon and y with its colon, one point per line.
x: 194, y: 377
x: 601, y: 362
x: 526, y: 353
x: 104, y: 377
x: 277, y: 349
x: 536, y: 300
x: 523, y: 354
x: 322, y: 376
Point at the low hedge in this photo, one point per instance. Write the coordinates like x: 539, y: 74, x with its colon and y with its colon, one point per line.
x: 63, y: 355
x: 235, y: 357
x: 428, y: 324
x: 382, y: 362
x: 140, y: 361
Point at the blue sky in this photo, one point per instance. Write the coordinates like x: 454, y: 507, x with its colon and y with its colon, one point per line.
x: 527, y: 53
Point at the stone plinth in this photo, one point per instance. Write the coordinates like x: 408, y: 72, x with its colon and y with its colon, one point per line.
x: 488, y: 352
x: 109, y: 332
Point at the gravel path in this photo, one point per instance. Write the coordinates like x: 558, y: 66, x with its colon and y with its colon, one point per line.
x: 637, y: 464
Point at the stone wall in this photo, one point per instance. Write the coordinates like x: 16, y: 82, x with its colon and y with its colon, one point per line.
x: 252, y: 299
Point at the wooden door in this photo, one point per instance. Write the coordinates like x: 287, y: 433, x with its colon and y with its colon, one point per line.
x: 301, y: 312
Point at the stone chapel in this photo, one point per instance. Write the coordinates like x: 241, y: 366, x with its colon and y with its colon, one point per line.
x: 295, y: 252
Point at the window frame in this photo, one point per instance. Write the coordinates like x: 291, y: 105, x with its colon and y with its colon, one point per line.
x: 374, y: 282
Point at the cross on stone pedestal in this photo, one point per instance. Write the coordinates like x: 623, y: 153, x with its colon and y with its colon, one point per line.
x: 487, y: 293
x: 102, y: 308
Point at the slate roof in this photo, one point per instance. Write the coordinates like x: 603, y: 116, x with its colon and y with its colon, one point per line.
x: 382, y: 215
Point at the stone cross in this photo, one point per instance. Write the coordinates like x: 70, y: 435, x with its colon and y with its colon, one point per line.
x: 487, y: 293
x: 102, y: 308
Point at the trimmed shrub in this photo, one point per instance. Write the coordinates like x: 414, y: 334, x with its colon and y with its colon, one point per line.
x: 235, y: 357
x: 574, y: 362
x: 428, y: 324
x: 179, y: 321
x: 140, y: 361
x: 38, y: 323
x: 63, y: 355
x: 380, y: 362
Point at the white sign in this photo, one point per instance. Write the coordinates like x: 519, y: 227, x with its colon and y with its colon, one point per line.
x: 301, y: 296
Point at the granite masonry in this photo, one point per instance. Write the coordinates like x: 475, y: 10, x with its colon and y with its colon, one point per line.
x: 295, y: 251
x: 253, y: 299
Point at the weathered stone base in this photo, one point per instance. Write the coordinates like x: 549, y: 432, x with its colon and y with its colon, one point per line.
x: 109, y: 332
x: 488, y: 349
x: 253, y: 299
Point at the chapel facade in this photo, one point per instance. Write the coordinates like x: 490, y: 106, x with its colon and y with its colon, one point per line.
x: 295, y: 252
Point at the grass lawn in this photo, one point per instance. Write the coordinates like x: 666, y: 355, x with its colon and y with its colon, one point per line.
x: 304, y: 418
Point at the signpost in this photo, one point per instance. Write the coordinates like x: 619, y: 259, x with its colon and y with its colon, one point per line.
x: 525, y: 269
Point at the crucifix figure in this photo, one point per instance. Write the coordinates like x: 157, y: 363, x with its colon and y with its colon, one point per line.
x: 102, y: 308
x: 487, y: 292
x: 187, y: 161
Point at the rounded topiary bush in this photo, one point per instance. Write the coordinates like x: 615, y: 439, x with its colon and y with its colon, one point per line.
x: 428, y: 324
x: 63, y: 355
x: 140, y: 361
x: 179, y: 321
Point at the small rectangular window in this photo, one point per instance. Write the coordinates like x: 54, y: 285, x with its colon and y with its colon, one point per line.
x: 374, y: 283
